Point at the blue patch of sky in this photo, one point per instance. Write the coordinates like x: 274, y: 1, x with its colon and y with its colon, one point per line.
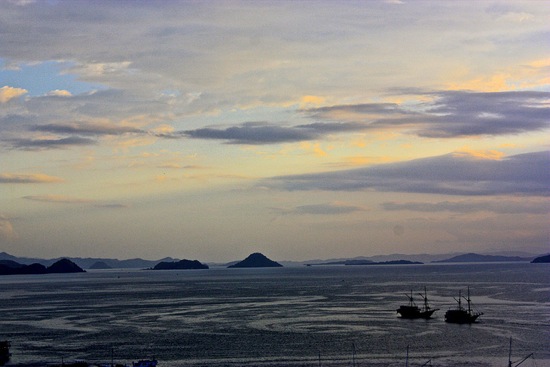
x: 40, y: 78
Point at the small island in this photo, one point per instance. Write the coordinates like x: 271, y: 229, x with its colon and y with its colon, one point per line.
x: 541, y: 259
x: 9, y: 267
x: 180, y: 265
x: 472, y: 257
x: 256, y: 260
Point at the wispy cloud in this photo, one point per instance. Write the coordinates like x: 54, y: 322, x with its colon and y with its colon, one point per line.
x: 321, y: 209
x: 87, y: 129
x: 112, y: 206
x: 61, y: 199
x: 28, y: 178
x: 253, y: 133
x: 452, y: 174
x: 464, y: 207
x: 48, y: 143
x: 7, y: 232
x: 450, y: 114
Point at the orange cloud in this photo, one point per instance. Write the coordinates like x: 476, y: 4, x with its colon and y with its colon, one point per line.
x: 311, y: 100
x: 480, y: 154
x: 315, y: 148
x: 62, y: 199
x: 8, y: 93
x: 529, y: 75
x: 28, y: 178
x: 6, y: 229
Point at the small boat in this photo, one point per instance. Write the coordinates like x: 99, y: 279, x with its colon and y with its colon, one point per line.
x: 412, y: 311
x: 145, y: 363
x: 4, y: 352
x: 461, y: 315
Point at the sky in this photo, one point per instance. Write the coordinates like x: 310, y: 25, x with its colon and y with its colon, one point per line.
x: 299, y: 129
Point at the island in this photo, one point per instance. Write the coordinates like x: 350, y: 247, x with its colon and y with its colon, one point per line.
x: 9, y: 267
x: 100, y: 265
x: 180, y: 265
x: 472, y: 257
x: 541, y: 259
x: 369, y: 262
x: 256, y: 260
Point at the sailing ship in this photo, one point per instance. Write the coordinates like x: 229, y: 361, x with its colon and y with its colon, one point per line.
x: 412, y: 311
x: 4, y: 352
x: 461, y: 315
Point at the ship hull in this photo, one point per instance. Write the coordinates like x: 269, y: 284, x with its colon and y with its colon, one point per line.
x: 408, y: 312
x: 460, y: 317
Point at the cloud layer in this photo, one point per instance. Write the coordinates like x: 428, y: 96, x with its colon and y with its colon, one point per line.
x: 453, y: 174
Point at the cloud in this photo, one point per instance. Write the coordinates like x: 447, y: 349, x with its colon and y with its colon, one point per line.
x: 8, y: 93
x: 253, y: 133
x: 258, y: 133
x: 459, y: 114
x: 59, y: 93
x: 322, y: 209
x: 451, y: 174
x: 464, y: 207
x: 62, y: 199
x: 49, y: 143
x: 7, y: 232
x: 112, y: 206
x: 449, y: 114
x: 28, y: 178
x: 87, y: 129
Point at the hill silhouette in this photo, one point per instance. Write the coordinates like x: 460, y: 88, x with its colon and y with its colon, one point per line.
x: 541, y: 259
x: 181, y: 265
x: 256, y: 260
x: 8, y: 267
x: 472, y: 257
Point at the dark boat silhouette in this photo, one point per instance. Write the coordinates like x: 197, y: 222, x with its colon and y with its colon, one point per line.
x: 4, y: 352
x: 412, y: 311
x: 461, y: 315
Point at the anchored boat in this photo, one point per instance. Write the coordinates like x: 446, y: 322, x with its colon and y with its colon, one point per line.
x: 412, y: 311
x: 461, y: 315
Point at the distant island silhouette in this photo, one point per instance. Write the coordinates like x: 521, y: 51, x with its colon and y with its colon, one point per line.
x: 472, y: 257
x: 256, y: 260
x: 100, y: 265
x: 9, y: 267
x: 37, y: 265
x: 541, y: 259
x: 369, y: 262
x: 180, y: 265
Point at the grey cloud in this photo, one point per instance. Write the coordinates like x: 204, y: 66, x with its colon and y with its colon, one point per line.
x: 60, y: 199
x: 27, y: 178
x: 323, y: 209
x: 112, y: 206
x: 334, y: 127
x: 86, y: 129
x: 458, y: 113
x: 253, y: 133
x: 363, y: 108
x: 40, y: 144
x: 463, y: 207
x: 451, y: 114
x: 452, y: 174
x: 266, y: 133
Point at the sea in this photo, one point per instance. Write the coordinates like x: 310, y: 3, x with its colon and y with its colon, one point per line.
x: 291, y: 316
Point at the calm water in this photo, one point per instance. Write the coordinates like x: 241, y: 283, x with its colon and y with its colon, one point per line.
x: 285, y: 316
